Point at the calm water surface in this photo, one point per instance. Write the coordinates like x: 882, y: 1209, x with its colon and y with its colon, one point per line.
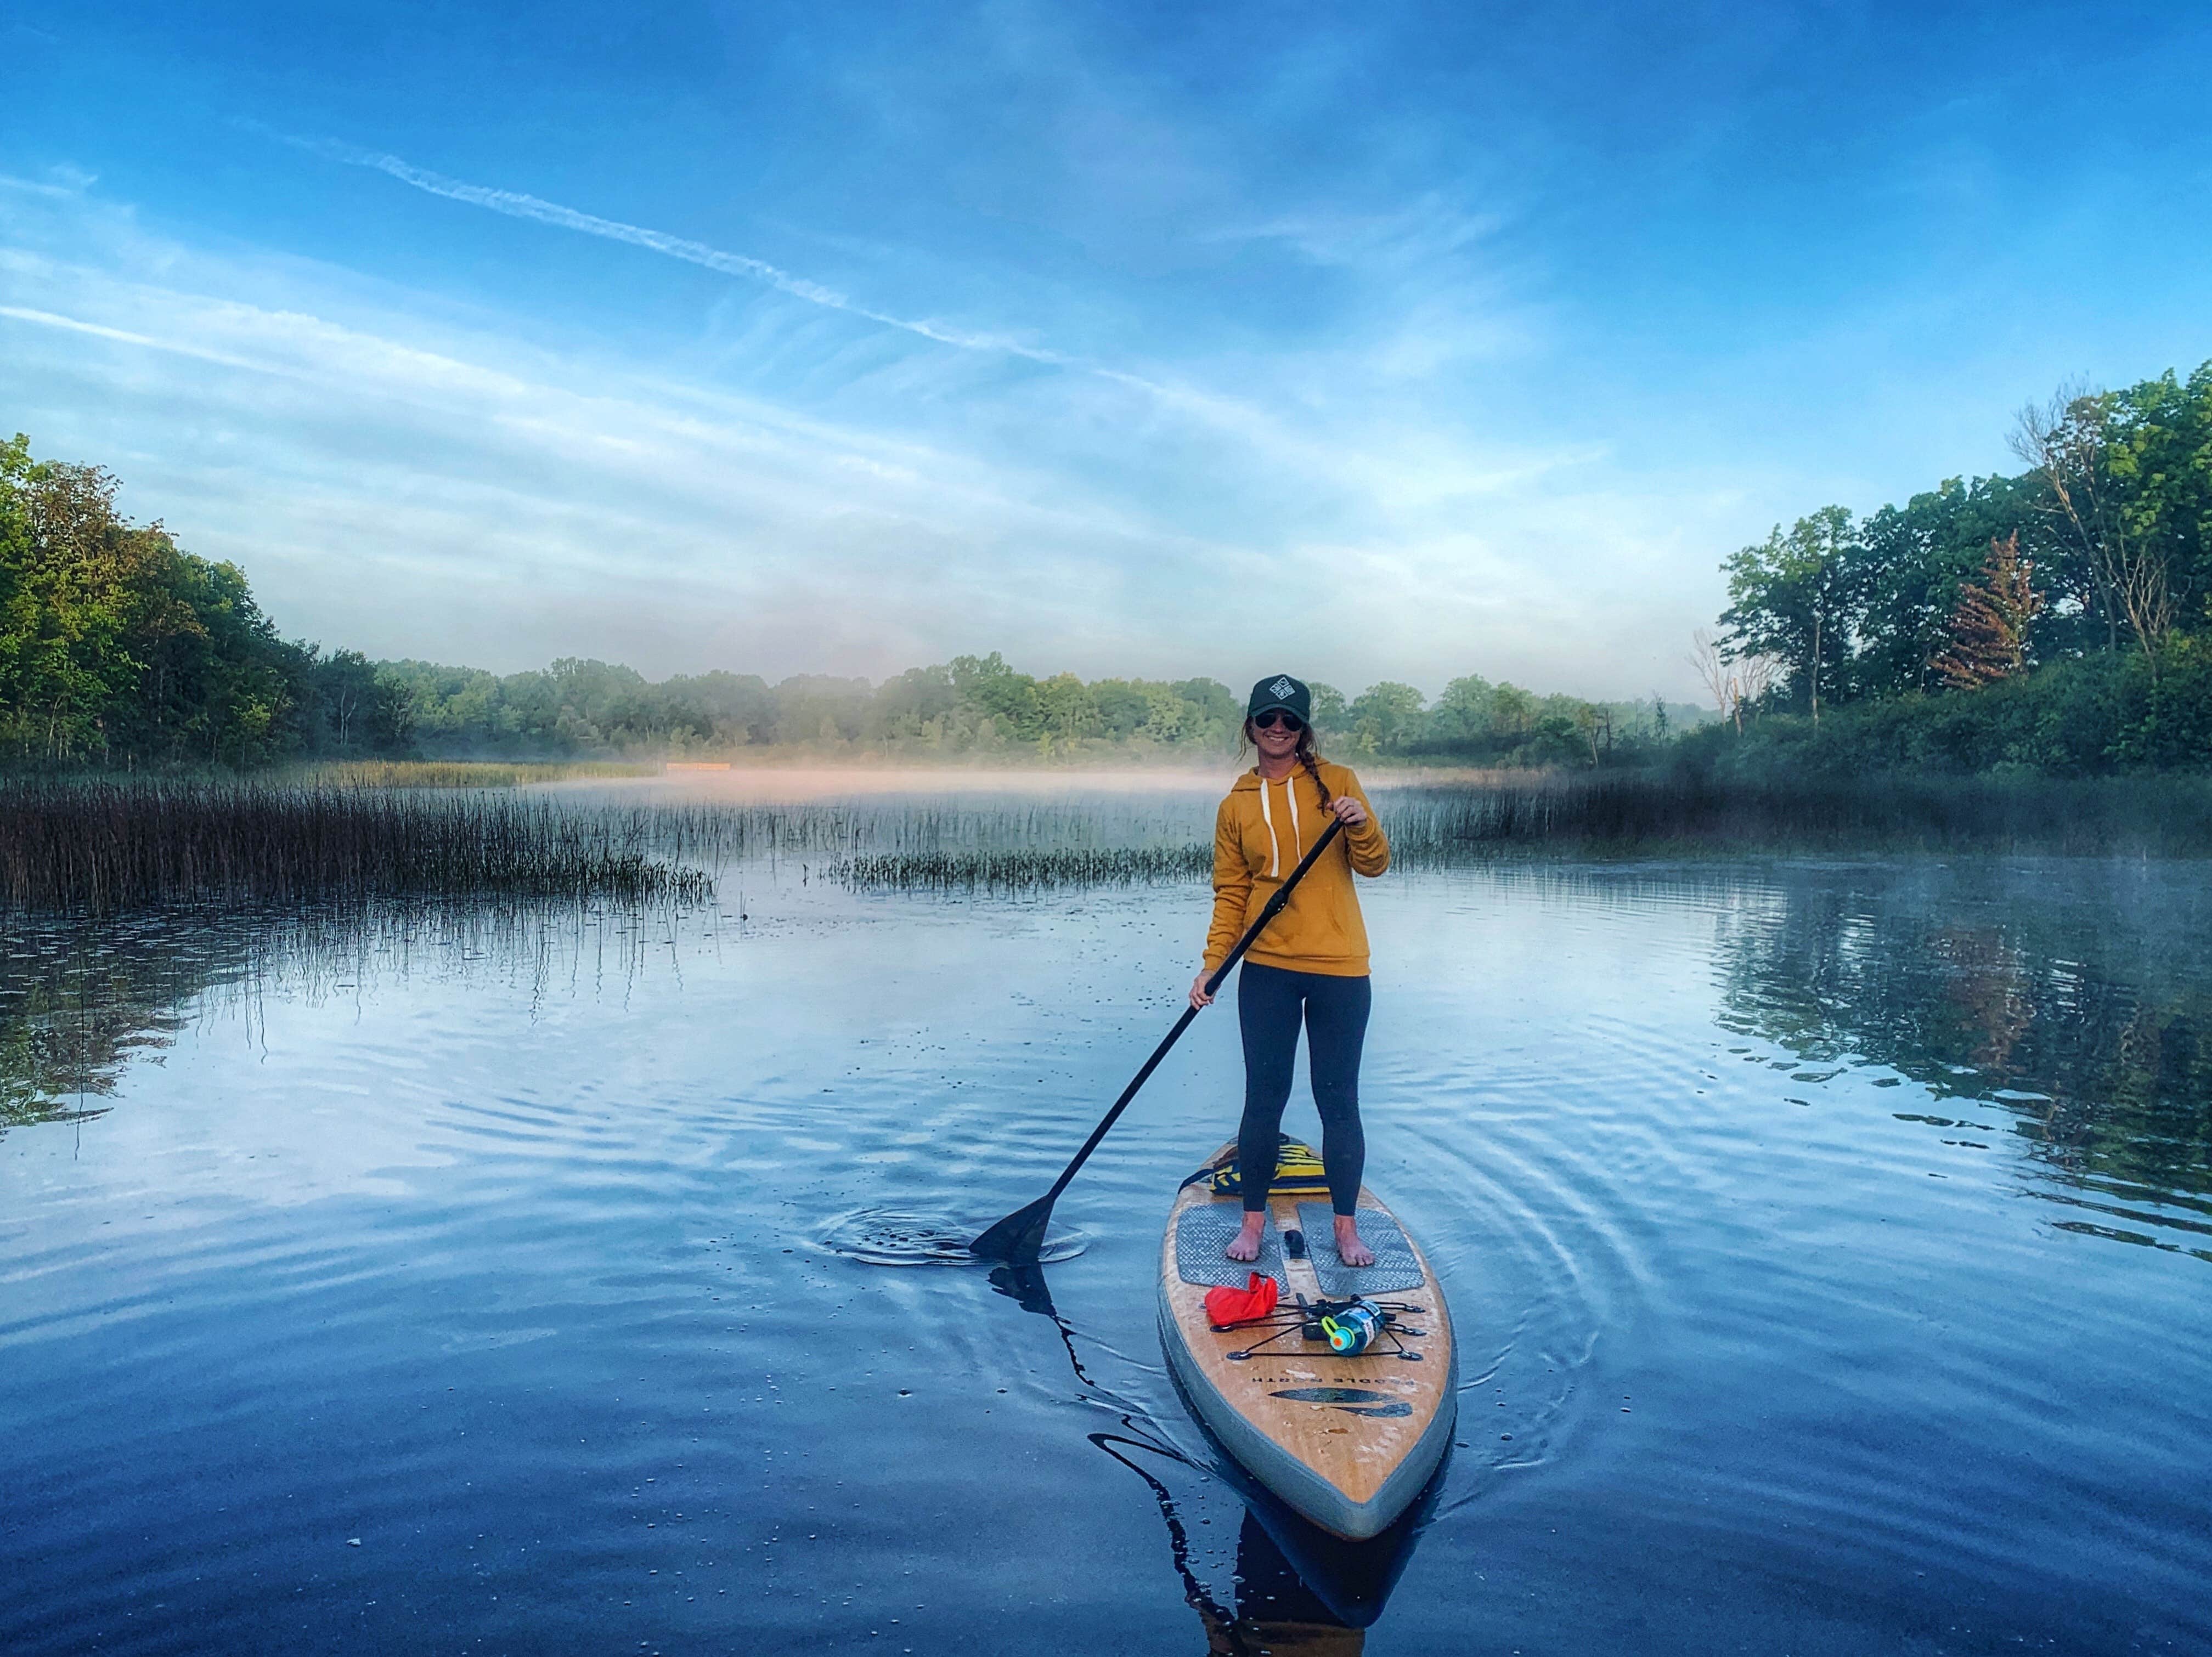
x: 1830, y: 1245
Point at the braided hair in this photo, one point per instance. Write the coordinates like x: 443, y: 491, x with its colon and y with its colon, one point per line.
x: 1311, y: 761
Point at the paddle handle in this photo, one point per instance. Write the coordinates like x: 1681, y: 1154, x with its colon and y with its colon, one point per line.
x: 1274, y: 906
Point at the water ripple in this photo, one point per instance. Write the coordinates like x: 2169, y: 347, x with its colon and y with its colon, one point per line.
x: 545, y: 1274
x: 885, y: 1236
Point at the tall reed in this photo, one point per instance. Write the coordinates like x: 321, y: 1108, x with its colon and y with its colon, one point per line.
x: 1647, y: 811
x: 978, y: 870
x: 1513, y: 814
x: 112, y: 845
x: 466, y: 773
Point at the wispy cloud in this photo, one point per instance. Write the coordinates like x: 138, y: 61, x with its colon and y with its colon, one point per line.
x: 1243, y: 421
x: 417, y: 491
x: 417, y: 481
x: 127, y: 336
x: 1416, y: 233
x: 64, y: 184
x: 515, y: 204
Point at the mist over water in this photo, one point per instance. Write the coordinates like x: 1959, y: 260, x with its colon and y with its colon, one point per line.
x: 1830, y: 1244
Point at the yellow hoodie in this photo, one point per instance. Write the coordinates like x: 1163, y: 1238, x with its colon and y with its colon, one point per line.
x: 1259, y: 834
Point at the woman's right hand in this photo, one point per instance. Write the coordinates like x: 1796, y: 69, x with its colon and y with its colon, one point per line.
x: 1198, y: 998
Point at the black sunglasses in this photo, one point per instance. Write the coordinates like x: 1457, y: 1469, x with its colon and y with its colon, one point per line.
x: 1266, y: 721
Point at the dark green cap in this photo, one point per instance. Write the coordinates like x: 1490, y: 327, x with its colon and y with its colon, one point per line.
x: 1282, y: 690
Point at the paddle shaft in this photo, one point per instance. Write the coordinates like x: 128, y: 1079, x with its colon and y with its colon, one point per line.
x: 1274, y: 906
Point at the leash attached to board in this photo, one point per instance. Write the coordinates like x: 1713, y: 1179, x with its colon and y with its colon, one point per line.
x: 1020, y: 1235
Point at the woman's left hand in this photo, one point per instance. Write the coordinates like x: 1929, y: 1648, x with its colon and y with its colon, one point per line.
x: 1349, y: 811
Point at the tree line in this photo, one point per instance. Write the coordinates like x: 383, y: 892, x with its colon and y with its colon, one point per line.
x: 118, y: 648
x: 2057, y: 619
x: 982, y: 707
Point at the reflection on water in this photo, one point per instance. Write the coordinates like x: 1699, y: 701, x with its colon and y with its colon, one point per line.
x: 2065, y: 1006
x: 78, y: 1001
x: 537, y: 1250
x: 1318, y: 1607
x: 2071, y: 1002
x: 82, y: 997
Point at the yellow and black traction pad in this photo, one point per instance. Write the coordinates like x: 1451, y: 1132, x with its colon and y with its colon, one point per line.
x: 1299, y: 1170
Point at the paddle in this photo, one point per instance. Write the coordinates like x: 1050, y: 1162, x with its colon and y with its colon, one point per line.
x: 1021, y: 1233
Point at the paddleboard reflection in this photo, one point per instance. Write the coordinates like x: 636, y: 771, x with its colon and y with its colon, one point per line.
x: 1298, y: 1589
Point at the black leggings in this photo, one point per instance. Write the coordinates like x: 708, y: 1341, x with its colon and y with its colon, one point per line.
x: 1269, y: 1001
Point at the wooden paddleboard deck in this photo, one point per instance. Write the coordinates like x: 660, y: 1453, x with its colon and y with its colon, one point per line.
x: 1346, y: 1441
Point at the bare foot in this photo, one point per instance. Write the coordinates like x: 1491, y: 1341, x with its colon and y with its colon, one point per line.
x: 1349, y: 1248
x: 1244, y: 1247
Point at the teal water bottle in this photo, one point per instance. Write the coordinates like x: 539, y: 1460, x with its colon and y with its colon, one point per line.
x: 1352, y: 1331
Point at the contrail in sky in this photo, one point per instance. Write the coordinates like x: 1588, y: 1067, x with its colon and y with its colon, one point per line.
x: 1248, y: 424
x: 517, y: 205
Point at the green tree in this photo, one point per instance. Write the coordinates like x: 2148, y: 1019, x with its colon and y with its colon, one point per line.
x: 1067, y: 712
x: 820, y: 708
x: 738, y: 708
x: 1512, y: 713
x: 1793, y: 598
x: 361, y: 710
x: 2160, y: 460
x: 995, y: 691
x: 1385, y: 717
x: 2083, y: 446
x: 71, y: 604
x: 1463, y: 720
x: 1330, y: 712
x: 1214, y: 713
x: 115, y: 644
x: 1913, y: 560
x: 1125, y: 706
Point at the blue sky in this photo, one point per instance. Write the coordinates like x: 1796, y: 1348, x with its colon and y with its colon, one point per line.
x: 1386, y: 341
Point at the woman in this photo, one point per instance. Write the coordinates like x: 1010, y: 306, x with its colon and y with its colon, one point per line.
x: 1309, y: 964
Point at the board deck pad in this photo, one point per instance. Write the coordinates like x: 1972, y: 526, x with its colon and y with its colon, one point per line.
x: 1347, y: 1440
x: 1203, y: 1232
x: 1395, y: 1269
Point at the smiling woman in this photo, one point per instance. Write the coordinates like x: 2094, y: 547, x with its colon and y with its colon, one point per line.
x: 1309, y: 965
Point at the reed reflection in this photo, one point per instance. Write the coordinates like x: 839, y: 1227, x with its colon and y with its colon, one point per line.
x: 84, y: 997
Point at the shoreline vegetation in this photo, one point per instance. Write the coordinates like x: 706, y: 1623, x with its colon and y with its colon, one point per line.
x: 1642, y: 816
x: 107, y: 845
x: 2019, y: 663
x: 2055, y: 622
x: 464, y: 773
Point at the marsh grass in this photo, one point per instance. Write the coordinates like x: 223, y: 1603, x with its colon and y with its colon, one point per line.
x: 978, y: 870
x: 1648, y: 813
x: 105, y: 846
x: 464, y: 773
x: 115, y: 844
x: 1509, y: 814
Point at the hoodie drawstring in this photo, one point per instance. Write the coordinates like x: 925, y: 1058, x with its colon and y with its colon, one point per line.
x: 1267, y: 817
x: 1274, y: 850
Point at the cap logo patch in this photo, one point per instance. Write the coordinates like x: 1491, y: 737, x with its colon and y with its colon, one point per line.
x: 1282, y: 686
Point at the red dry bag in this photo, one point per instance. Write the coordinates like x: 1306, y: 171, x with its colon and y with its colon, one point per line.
x: 1226, y: 1305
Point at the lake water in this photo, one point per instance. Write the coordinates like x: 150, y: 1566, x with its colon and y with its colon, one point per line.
x: 1830, y: 1245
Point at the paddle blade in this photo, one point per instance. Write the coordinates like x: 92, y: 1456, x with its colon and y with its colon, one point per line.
x: 1018, y: 1238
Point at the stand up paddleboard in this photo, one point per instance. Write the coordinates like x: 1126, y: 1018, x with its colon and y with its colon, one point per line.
x: 1346, y: 1441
